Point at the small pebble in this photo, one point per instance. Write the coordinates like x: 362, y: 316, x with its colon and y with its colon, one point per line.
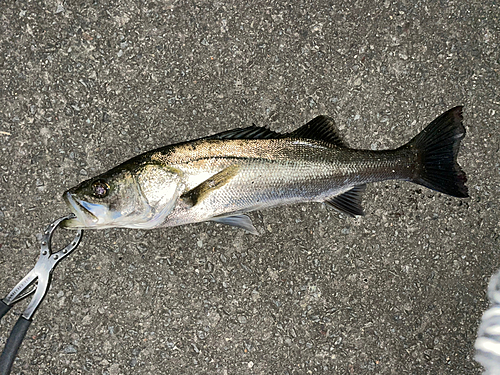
x: 69, y: 349
x: 209, y: 267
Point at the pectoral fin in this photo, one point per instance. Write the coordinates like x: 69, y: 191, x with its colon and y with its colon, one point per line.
x: 239, y: 221
x: 200, y: 192
x: 349, y: 202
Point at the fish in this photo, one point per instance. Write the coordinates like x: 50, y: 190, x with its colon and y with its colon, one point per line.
x: 222, y: 177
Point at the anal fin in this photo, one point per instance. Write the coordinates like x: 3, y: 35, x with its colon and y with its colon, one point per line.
x: 239, y: 221
x: 198, y: 193
x: 349, y: 202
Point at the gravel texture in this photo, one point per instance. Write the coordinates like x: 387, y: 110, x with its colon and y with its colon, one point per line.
x: 86, y: 85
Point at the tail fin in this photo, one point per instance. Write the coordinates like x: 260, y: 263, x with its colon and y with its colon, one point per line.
x: 438, y: 146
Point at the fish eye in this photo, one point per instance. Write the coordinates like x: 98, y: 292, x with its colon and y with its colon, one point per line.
x: 100, y: 188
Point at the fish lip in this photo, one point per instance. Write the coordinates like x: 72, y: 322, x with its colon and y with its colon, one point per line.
x: 82, y: 214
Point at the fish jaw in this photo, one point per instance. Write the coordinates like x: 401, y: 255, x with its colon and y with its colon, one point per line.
x: 84, y: 218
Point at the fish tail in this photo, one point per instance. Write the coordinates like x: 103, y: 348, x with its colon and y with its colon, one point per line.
x: 437, y: 147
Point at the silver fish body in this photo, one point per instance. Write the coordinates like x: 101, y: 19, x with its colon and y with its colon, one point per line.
x: 221, y: 177
x: 273, y: 172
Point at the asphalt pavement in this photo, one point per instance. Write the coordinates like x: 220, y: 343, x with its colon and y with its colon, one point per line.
x: 86, y: 85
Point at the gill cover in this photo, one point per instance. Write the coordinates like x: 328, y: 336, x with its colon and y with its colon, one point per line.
x: 125, y: 197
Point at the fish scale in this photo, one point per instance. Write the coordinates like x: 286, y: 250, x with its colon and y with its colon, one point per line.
x: 316, y: 172
x: 221, y: 177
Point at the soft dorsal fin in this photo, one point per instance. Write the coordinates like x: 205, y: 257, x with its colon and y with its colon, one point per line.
x: 321, y: 128
x: 252, y: 132
x: 349, y: 202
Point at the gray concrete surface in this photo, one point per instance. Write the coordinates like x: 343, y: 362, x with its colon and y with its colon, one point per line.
x: 86, y: 85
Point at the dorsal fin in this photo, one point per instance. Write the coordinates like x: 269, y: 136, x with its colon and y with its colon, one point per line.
x: 321, y: 128
x: 252, y: 132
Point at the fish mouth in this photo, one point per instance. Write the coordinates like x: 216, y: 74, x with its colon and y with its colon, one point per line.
x: 84, y: 218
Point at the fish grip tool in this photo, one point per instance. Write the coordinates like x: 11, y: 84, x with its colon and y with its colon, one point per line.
x: 38, y: 279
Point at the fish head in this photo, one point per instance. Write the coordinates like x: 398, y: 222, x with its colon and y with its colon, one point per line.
x: 124, y: 197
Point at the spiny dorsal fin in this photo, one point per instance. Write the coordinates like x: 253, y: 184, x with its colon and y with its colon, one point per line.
x: 321, y: 128
x: 197, y: 194
x: 252, y: 132
x: 349, y: 202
